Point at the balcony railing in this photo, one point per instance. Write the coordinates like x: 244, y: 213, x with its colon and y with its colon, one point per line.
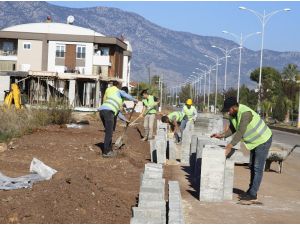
x: 8, y: 53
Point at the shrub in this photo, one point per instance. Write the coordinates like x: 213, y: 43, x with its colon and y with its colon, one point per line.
x: 15, y: 123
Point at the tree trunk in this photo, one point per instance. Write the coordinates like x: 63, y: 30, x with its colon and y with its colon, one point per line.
x: 287, y: 117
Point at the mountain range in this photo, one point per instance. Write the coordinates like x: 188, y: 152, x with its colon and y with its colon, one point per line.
x: 174, y: 54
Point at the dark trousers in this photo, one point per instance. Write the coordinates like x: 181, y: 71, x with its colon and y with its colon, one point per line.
x: 258, y: 158
x: 108, y: 120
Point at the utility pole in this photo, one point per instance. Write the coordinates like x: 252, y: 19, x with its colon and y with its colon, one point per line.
x: 160, y: 84
x: 149, y: 73
x: 298, y: 124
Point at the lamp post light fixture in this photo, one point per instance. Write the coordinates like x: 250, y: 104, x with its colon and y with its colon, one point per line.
x: 241, y: 40
x: 264, y: 19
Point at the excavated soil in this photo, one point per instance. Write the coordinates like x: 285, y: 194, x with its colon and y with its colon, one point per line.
x: 87, y: 187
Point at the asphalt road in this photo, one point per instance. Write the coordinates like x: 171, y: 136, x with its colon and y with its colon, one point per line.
x: 286, y: 138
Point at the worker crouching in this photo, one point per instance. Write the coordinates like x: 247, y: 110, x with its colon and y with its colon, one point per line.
x: 177, y: 121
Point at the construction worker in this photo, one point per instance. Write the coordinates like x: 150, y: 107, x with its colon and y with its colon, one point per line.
x: 149, y: 111
x: 113, y: 100
x: 247, y: 126
x: 177, y: 121
x: 189, y: 110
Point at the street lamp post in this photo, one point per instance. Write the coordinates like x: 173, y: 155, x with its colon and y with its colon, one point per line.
x: 226, y: 52
x: 241, y: 40
x: 263, y: 18
x: 216, y: 59
x: 205, y: 73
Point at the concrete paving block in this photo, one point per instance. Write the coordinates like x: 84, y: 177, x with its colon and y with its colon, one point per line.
x: 146, y: 212
x: 212, y: 174
x: 153, y: 165
x: 141, y: 220
x: 175, y: 217
x: 153, y: 150
x: 161, y: 146
x: 172, y: 149
x: 186, y: 147
x: 194, y: 141
x: 152, y: 175
x: 239, y: 158
x: 153, y: 204
x: 152, y: 182
x: 148, y: 215
x: 150, y: 196
x: 228, y: 179
x: 156, y: 190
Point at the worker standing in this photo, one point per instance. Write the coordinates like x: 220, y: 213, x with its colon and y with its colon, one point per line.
x: 113, y: 100
x: 247, y: 126
x: 190, y: 110
x: 149, y: 111
x: 177, y: 121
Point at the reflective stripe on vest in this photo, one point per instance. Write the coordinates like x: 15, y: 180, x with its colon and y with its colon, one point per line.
x: 149, y: 102
x: 113, y: 100
x: 257, y: 131
x: 189, y: 112
x: 179, y: 116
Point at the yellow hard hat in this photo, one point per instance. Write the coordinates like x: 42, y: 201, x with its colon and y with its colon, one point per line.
x: 189, y: 101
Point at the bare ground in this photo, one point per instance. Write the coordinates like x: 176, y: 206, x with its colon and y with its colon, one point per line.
x: 87, y: 187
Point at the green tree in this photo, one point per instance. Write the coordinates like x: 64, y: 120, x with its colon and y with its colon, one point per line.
x: 266, y: 107
x: 289, y: 86
x: 271, y: 82
x: 279, y: 111
x: 185, y: 93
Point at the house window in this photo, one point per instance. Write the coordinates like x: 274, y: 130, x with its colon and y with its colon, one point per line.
x: 80, y: 52
x: 60, y: 51
x: 8, y: 46
x: 27, y: 45
x: 104, y: 51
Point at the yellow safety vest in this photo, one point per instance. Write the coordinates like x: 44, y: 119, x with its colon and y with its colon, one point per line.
x: 112, y: 99
x: 179, y: 116
x: 189, y: 112
x: 257, y: 131
x: 149, y: 102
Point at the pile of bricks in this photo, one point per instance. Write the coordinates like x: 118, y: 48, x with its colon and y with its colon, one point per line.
x: 151, y: 205
x: 212, y: 173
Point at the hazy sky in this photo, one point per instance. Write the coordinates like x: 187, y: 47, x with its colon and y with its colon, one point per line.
x: 210, y: 18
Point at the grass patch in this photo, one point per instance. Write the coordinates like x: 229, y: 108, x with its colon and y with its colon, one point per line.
x: 15, y: 123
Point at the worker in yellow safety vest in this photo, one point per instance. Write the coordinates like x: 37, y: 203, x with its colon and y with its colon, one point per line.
x: 248, y: 127
x: 112, y: 103
x: 149, y: 111
x: 177, y: 121
x: 189, y: 110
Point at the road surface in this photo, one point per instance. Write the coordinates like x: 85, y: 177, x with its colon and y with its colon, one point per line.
x: 286, y: 138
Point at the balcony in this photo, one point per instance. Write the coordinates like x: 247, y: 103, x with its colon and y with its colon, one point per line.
x: 8, y: 55
x: 101, y: 60
x: 8, y: 52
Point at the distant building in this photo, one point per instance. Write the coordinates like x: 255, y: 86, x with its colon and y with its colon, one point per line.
x: 62, y: 60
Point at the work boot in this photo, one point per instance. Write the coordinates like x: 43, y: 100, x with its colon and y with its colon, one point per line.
x: 248, y: 197
x: 109, y: 154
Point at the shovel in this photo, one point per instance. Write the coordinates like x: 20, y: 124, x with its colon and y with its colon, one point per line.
x: 119, y: 141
